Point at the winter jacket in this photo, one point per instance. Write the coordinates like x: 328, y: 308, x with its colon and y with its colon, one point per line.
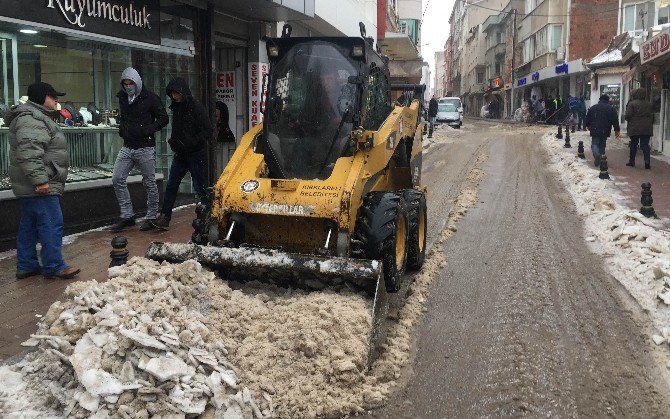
x: 600, y: 119
x: 639, y: 114
x: 191, y: 126
x: 581, y: 106
x: 37, y: 150
x: 141, y: 118
x: 432, y: 108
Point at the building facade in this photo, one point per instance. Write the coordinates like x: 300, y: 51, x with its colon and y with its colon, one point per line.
x: 438, y: 81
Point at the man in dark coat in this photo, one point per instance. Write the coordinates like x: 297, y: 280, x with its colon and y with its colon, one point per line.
x: 432, y: 115
x: 640, y: 118
x: 600, y: 119
x: 38, y: 166
x: 142, y: 115
x: 581, y: 113
x: 191, y: 132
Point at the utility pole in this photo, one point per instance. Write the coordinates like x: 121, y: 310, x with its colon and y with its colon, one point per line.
x: 511, y: 105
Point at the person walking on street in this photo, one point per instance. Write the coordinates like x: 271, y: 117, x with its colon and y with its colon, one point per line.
x: 640, y: 118
x: 432, y: 115
x: 600, y: 119
x: 581, y: 113
x: 191, y: 132
x: 38, y: 166
x: 142, y: 115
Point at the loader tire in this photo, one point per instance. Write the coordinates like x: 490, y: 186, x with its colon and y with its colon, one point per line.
x: 417, y: 221
x: 381, y: 231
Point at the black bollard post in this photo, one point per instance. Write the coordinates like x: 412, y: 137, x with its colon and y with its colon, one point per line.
x: 119, y: 253
x: 604, y: 174
x: 567, y: 138
x: 647, y: 210
x: 559, y: 135
x: 580, y: 150
x: 572, y: 127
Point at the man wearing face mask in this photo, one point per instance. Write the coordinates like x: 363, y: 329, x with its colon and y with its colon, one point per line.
x: 141, y: 115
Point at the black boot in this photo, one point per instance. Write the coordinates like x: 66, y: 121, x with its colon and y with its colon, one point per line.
x: 631, y: 163
x: 647, y: 165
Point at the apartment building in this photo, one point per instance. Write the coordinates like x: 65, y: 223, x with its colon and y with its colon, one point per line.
x: 448, y: 67
x: 438, y: 81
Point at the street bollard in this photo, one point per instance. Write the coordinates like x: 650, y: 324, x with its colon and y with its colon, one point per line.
x: 567, y: 138
x: 604, y: 174
x: 647, y: 210
x: 580, y: 150
x: 559, y: 135
x: 119, y: 253
x: 572, y: 128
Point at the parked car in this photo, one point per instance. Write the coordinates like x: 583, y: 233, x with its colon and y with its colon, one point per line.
x: 448, y: 112
x: 455, y: 101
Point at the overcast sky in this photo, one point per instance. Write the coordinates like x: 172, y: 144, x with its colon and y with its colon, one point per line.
x: 434, y: 30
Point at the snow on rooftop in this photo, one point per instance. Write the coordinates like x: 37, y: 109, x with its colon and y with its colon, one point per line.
x: 607, y: 57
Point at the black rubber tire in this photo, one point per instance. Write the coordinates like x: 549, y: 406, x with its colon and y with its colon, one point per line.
x: 376, y: 226
x: 415, y: 201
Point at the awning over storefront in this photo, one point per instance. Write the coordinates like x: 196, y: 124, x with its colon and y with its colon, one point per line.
x: 269, y: 10
x: 398, y: 46
x: 553, y: 72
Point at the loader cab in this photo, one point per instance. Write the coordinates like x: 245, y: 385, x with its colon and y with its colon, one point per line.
x: 319, y: 90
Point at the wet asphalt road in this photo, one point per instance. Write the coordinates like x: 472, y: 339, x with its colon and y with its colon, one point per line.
x: 523, y: 320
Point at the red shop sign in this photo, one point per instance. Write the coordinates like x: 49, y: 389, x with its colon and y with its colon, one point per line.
x: 655, y: 47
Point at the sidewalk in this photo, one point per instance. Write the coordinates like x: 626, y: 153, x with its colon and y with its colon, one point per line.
x: 21, y: 301
x: 629, y: 179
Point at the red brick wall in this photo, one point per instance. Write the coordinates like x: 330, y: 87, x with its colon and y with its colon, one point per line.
x: 381, y: 19
x: 593, y: 23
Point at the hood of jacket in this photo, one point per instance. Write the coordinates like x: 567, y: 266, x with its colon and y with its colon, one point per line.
x: 28, y: 108
x: 131, y: 74
x: 180, y: 86
x: 638, y: 94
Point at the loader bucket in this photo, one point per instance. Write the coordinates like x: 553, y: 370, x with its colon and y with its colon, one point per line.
x: 285, y: 269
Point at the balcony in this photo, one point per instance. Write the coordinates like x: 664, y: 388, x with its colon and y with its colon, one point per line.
x: 495, y: 53
x: 491, y: 22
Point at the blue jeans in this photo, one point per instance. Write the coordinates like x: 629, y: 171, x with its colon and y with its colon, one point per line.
x: 145, y: 160
x: 598, y: 146
x: 193, y: 163
x: 41, y: 220
x: 643, y: 140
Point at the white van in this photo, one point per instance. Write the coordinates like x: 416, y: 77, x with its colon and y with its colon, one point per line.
x: 452, y: 111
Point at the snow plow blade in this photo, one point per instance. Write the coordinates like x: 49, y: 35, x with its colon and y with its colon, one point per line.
x: 285, y: 269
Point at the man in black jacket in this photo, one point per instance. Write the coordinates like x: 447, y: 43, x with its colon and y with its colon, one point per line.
x: 600, y: 119
x: 142, y: 115
x: 191, y: 131
x: 432, y: 115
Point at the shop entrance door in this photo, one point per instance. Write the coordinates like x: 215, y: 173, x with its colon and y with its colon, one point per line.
x: 231, y: 57
x: 9, y: 70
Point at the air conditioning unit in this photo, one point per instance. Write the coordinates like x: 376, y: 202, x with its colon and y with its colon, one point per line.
x: 560, y: 54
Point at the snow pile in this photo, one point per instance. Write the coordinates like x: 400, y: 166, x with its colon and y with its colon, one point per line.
x: 135, y: 346
x: 637, y: 249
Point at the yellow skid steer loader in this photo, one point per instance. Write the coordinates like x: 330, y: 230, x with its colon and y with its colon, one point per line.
x: 326, y: 192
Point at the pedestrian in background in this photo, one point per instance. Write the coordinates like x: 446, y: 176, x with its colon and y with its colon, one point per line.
x: 191, y: 132
x: 38, y: 166
x: 600, y: 119
x: 640, y: 118
x: 142, y: 115
x: 581, y: 113
x: 432, y: 115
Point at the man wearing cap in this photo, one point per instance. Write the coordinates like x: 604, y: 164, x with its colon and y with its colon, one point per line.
x: 38, y: 165
x: 142, y: 115
x: 600, y: 119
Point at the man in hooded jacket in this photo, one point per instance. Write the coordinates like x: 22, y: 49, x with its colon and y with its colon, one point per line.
x: 600, y: 119
x: 640, y: 118
x: 191, y: 131
x: 142, y: 115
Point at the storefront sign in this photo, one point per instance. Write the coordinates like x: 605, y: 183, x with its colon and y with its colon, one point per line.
x: 614, y: 92
x: 225, y: 92
x: 563, y: 68
x: 535, y: 76
x: 657, y: 46
x: 136, y: 20
x: 257, y: 92
x: 521, y: 82
x: 628, y: 75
